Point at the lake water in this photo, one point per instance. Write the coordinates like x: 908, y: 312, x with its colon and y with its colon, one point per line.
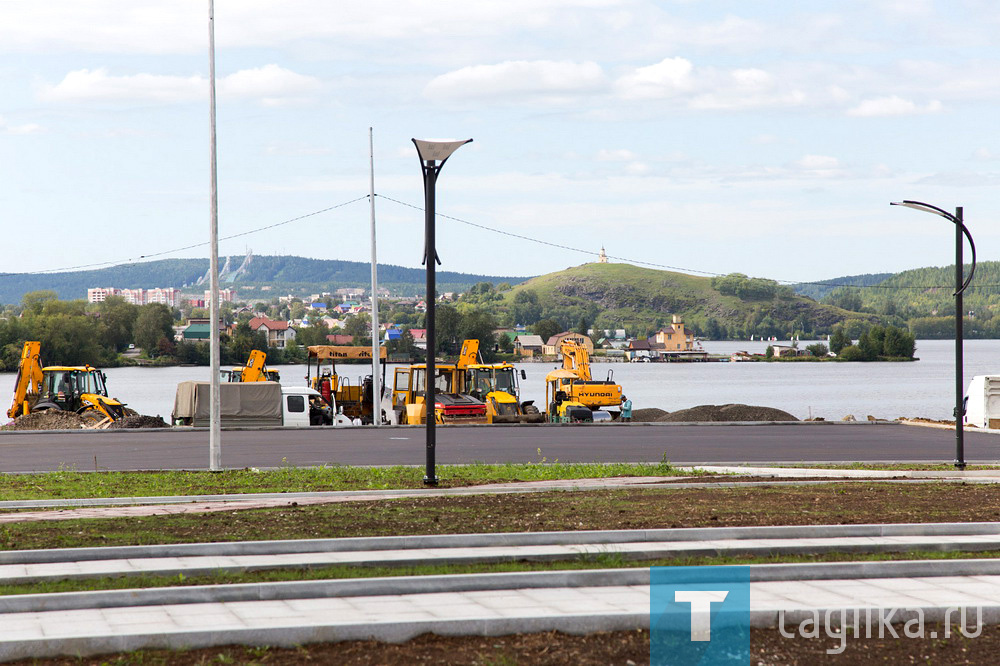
x: 830, y: 390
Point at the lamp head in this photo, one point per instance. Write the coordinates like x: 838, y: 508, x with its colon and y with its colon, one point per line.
x: 927, y: 208
x: 437, y: 150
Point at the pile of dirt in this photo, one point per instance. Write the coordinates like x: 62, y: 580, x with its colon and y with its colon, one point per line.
x: 139, y: 421
x: 732, y: 412
x: 47, y: 420
x: 648, y: 414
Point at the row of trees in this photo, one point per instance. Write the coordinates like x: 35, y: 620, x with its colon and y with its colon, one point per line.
x: 72, y: 332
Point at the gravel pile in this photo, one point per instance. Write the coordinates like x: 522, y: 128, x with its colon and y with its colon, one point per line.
x: 733, y: 412
x: 47, y: 420
x: 648, y: 414
x: 139, y: 421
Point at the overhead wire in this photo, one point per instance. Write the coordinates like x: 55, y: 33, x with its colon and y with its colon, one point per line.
x: 132, y: 261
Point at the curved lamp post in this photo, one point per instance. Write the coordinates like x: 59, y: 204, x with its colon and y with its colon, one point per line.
x: 960, y: 286
x: 433, y: 154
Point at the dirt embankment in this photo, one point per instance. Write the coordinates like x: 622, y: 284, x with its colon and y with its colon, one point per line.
x: 731, y: 412
x: 58, y: 420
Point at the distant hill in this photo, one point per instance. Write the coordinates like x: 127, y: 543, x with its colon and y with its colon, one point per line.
x: 926, y: 292
x: 616, y: 295
x: 819, y: 289
x: 284, y: 274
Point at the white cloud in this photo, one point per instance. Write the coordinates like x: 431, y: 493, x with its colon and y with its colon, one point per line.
x: 27, y: 128
x: 983, y: 155
x: 86, y: 85
x: 519, y: 80
x: 270, y: 85
x: 615, y: 155
x: 814, y: 162
x: 892, y: 106
x: 666, y: 78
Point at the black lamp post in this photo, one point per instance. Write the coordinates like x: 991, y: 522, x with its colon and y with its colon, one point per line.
x: 433, y: 155
x: 960, y: 287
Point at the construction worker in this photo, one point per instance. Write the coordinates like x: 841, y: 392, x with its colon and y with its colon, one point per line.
x: 626, y: 409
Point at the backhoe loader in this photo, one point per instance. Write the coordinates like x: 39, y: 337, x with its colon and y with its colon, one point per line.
x: 496, y: 385
x: 80, y: 389
x: 453, y: 403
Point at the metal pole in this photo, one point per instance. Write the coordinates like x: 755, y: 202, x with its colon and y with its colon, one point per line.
x: 959, y: 381
x: 430, y: 181
x: 215, y: 429
x: 376, y: 385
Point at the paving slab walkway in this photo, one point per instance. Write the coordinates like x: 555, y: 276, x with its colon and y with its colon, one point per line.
x: 492, y: 604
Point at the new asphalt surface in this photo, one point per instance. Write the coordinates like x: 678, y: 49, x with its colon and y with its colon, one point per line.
x: 181, y: 448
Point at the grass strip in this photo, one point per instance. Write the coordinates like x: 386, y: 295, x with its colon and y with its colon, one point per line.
x: 602, y: 560
x: 77, y: 484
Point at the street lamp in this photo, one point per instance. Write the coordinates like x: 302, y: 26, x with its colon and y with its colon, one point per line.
x: 433, y: 154
x: 960, y: 286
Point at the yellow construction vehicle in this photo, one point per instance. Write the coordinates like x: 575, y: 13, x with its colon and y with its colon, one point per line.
x: 571, y: 392
x: 355, y: 400
x: 254, y: 371
x: 80, y: 389
x: 453, y: 404
x: 496, y: 385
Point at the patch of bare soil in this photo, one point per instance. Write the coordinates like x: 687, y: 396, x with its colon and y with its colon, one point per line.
x: 50, y: 419
x: 139, y: 421
x: 731, y: 412
x: 631, y: 508
x: 620, y: 647
x: 556, y: 649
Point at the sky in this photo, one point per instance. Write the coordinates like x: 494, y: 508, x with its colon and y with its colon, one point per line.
x: 762, y: 137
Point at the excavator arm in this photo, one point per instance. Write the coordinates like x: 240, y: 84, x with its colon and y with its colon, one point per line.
x: 255, y: 370
x: 470, y: 350
x: 576, y: 359
x: 29, y: 379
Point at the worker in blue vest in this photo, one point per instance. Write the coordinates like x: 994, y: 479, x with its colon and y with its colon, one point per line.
x: 626, y: 409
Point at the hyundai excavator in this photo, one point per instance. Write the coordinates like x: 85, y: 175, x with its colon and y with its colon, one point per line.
x: 79, y: 389
x: 572, y: 395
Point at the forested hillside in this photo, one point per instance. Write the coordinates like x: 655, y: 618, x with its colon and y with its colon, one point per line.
x: 284, y: 274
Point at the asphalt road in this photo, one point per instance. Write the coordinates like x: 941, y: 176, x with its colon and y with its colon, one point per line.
x: 679, y: 444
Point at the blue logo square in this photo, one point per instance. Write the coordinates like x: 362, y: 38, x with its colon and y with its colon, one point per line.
x: 699, y: 616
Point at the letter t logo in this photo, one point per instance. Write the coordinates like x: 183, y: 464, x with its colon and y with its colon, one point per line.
x: 701, y: 610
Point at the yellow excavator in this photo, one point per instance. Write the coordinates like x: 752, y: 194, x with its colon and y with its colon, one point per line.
x: 79, y: 389
x: 254, y: 371
x: 572, y: 395
x: 496, y: 385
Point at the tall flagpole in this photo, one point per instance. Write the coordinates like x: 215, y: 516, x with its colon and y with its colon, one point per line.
x: 376, y: 382
x: 215, y: 428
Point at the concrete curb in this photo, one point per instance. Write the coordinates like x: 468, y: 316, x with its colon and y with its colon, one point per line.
x: 291, y: 636
x: 493, y: 539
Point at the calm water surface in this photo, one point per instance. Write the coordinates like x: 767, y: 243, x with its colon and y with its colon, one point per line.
x: 831, y: 390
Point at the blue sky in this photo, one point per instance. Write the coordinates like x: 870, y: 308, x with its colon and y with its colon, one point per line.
x: 765, y: 137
